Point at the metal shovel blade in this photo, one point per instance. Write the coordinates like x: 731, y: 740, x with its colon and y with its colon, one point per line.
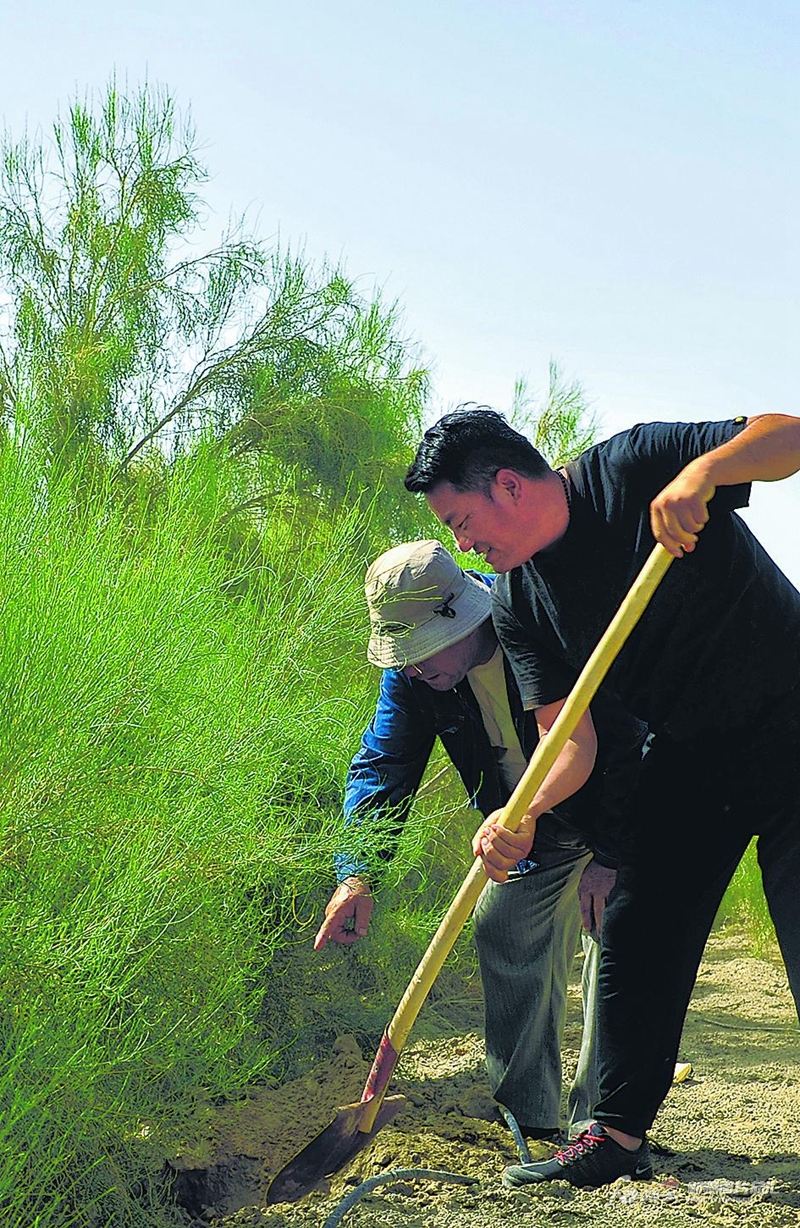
x: 333, y: 1147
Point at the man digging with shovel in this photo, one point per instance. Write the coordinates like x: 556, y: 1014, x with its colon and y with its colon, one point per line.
x: 444, y: 675
x: 713, y: 667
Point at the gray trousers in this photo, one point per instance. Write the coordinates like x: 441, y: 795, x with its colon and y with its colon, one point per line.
x: 527, y: 933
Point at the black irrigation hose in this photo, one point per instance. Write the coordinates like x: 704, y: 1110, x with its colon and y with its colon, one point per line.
x: 393, y: 1174
x: 421, y: 1174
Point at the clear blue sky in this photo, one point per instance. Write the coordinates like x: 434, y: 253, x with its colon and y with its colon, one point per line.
x: 610, y: 183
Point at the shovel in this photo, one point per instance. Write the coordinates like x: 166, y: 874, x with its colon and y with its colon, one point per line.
x: 355, y: 1125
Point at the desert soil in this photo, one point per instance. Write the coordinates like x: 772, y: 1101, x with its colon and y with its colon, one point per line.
x: 727, y: 1140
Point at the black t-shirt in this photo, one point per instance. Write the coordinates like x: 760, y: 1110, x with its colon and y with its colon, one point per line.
x: 722, y: 633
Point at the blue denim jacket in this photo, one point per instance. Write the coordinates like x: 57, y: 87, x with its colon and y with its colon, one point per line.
x: 386, y: 771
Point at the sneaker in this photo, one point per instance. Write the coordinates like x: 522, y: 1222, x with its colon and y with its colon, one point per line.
x: 593, y: 1158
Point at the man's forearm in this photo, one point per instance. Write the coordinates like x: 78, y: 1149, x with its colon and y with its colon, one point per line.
x: 378, y: 797
x: 574, y: 765
x: 348, y: 865
x: 766, y: 450
x: 569, y: 773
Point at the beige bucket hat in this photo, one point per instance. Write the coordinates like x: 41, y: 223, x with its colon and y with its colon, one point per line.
x: 420, y: 601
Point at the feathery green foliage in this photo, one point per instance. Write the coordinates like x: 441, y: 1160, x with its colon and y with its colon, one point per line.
x: 121, y: 344
x: 169, y: 804
x: 182, y: 612
x: 745, y: 905
x: 563, y: 426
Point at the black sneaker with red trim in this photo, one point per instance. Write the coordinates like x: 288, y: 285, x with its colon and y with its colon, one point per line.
x: 593, y: 1158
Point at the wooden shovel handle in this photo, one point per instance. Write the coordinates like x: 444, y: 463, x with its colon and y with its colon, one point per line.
x: 633, y: 606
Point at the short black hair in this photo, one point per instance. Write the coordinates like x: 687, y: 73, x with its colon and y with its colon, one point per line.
x: 467, y: 448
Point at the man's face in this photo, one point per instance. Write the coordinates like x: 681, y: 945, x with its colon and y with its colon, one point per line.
x: 490, y: 525
x: 445, y: 669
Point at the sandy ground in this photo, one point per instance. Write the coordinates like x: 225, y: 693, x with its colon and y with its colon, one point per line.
x: 728, y: 1139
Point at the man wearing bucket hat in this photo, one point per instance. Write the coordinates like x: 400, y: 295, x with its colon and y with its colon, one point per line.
x: 444, y: 675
